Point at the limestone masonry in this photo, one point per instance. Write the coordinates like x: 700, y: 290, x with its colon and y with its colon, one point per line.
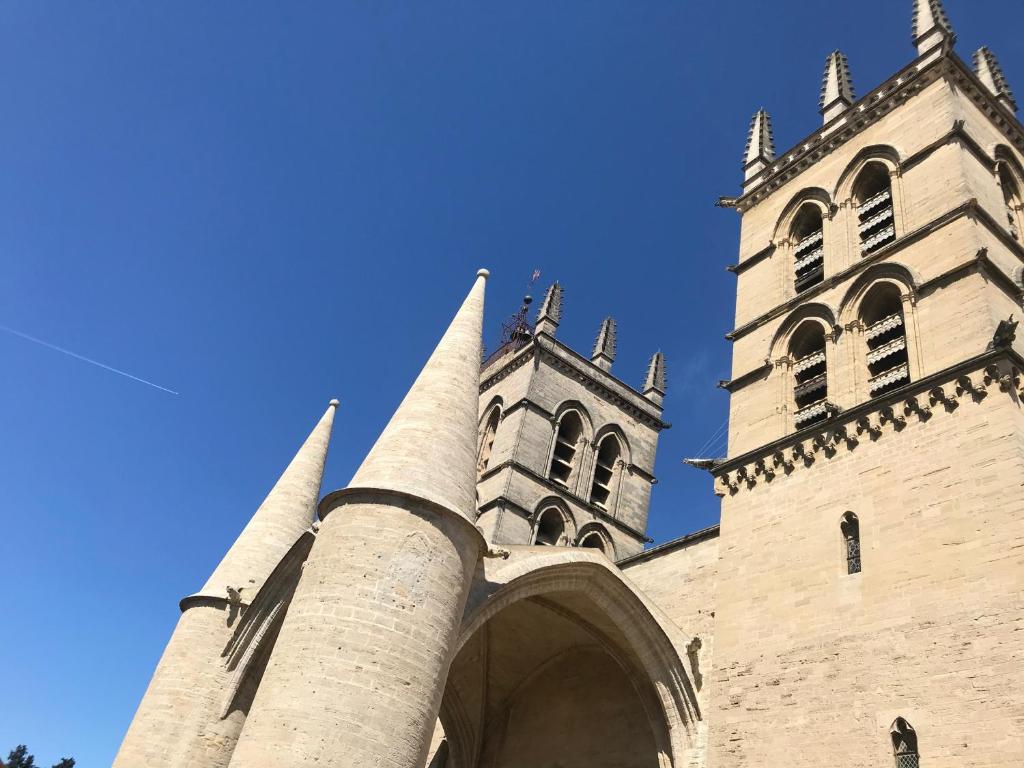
x: 480, y: 595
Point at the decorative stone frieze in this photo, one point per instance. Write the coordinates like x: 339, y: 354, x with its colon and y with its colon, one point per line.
x: 845, y: 432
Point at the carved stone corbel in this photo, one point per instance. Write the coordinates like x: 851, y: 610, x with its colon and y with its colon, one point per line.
x: 865, y: 426
x: 823, y: 443
x: 843, y: 434
x: 938, y: 395
x: 800, y: 454
x: 780, y: 461
x: 888, y: 416
x: 913, y: 405
x: 1006, y: 379
x: 762, y: 468
x: 965, y: 386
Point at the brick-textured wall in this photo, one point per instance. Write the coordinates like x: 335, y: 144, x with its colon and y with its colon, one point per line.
x: 812, y: 665
x: 358, y: 670
x: 178, y: 721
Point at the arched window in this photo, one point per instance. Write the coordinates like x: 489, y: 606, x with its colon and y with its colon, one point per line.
x: 487, y: 440
x: 810, y: 374
x: 850, y: 527
x: 904, y: 744
x: 886, y: 335
x: 1012, y: 199
x: 570, y: 430
x: 608, y: 453
x: 876, y: 221
x: 594, y: 537
x: 809, y: 247
x: 550, y: 529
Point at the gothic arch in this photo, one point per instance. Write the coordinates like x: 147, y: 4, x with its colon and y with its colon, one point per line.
x: 575, y: 405
x: 583, y: 590
x: 814, y: 312
x: 808, y: 195
x: 897, y: 285
x: 615, y: 429
x: 887, y: 155
x: 1009, y: 176
x: 890, y: 271
x: 570, y: 459
x: 555, y: 503
x: 496, y: 401
x: 590, y: 530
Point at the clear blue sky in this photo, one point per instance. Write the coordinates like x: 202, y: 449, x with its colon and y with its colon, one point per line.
x: 267, y: 205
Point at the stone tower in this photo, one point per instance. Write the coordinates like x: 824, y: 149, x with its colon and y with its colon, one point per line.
x: 871, y: 497
x: 566, y: 453
x: 182, y: 719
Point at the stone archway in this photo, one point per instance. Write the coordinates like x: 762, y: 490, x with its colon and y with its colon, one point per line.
x: 561, y: 664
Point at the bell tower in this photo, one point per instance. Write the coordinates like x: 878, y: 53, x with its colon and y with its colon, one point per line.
x: 871, y: 495
x: 566, y: 447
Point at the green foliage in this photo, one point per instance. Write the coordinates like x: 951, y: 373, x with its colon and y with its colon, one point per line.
x: 20, y: 758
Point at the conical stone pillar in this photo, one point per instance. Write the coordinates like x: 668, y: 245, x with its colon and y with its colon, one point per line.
x: 178, y: 722
x: 359, y: 668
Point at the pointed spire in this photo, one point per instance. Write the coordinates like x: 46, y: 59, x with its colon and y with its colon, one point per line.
x: 654, y: 385
x: 550, y: 313
x: 760, y: 152
x: 604, y: 347
x: 931, y: 26
x: 429, y: 447
x: 986, y: 66
x: 836, y: 87
x: 284, y: 515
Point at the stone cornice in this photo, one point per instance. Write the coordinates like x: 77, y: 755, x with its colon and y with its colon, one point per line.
x: 584, y: 371
x: 968, y: 209
x: 942, y: 392
x: 558, y: 490
x: 747, y: 378
x: 711, y: 532
x: 527, y: 404
x: 868, y: 110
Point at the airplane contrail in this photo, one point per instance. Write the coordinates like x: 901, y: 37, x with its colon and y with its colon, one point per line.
x: 75, y: 355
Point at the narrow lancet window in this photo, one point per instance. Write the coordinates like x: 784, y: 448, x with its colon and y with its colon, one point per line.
x: 550, y: 528
x: 850, y: 528
x: 904, y: 744
x: 604, y: 471
x: 487, y: 440
x: 808, y: 247
x: 567, y: 439
x: 810, y: 374
x: 1012, y: 200
x: 886, y: 336
x: 876, y: 221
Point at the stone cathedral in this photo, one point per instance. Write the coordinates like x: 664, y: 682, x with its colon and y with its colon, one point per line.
x: 480, y: 595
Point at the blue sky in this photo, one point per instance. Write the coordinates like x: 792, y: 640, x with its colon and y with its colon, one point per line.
x: 263, y: 206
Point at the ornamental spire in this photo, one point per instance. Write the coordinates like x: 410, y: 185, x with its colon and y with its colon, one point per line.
x: 604, y: 347
x: 429, y: 448
x: 654, y: 385
x: 986, y: 66
x: 836, y: 87
x: 278, y: 523
x: 931, y: 26
x: 550, y: 313
x: 760, y: 151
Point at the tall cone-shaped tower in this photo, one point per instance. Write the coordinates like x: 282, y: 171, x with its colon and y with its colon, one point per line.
x: 280, y: 520
x: 177, y: 723
x: 358, y: 671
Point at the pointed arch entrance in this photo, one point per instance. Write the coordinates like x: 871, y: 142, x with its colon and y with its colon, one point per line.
x: 561, y: 663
